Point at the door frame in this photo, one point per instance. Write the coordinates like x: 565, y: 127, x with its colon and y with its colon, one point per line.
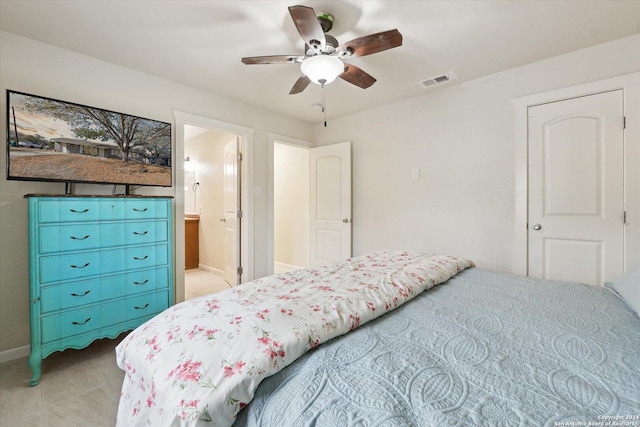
x: 247, y: 148
x: 272, y: 138
x: 630, y: 85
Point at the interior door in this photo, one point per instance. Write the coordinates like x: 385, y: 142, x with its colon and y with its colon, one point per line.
x: 232, y: 213
x: 330, y: 203
x: 576, y: 194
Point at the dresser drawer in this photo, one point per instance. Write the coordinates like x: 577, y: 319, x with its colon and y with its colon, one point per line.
x: 146, y: 304
x: 55, y: 268
x: 74, y: 322
x: 69, y: 295
x: 70, y: 323
x: 103, y: 288
x: 141, y: 232
x: 146, y: 256
x: 145, y: 209
x: 65, y: 238
x: 68, y: 210
x: 85, y: 236
x: 88, y: 209
x: 147, y: 280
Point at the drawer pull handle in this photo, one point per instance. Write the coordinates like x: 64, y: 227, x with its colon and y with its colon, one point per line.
x: 141, y: 259
x: 141, y: 283
x: 80, y: 295
x: 80, y: 266
x: 82, y: 211
x: 142, y: 308
x: 79, y: 238
x: 140, y: 234
x: 82, y: 323
x: 140, y: 210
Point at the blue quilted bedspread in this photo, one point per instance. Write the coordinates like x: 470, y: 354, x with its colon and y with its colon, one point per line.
x: 482, y: 349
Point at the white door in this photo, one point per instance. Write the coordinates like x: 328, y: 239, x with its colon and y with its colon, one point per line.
x: 576, y: 204
x: 232, y: 211
x: 330, y: 203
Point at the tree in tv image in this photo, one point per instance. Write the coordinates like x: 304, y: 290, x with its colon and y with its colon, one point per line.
x: 61, y: 141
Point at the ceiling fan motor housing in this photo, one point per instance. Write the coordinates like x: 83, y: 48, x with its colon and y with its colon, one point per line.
x: 330, y: 46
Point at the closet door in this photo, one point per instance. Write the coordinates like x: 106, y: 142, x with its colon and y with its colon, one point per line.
x: 576, y: 189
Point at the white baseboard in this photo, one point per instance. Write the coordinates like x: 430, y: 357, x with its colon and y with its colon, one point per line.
x: 14, y: 353
x: 211, y: 269
x: 281, y: 267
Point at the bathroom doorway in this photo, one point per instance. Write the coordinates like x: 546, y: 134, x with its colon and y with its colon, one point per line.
x: 211, y: 202
x: 246, y: 241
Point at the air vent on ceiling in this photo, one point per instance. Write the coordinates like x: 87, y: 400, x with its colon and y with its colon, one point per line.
x: 438, y: 79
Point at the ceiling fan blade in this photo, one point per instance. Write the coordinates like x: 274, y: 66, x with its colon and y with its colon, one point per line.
x: 274, y: 59
x: 356, y: 76
x: 372, y: 43
x: 306, y: 22
x: 300, y: 85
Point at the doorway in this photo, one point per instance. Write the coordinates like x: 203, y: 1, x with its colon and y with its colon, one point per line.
x: 290, y: 207
x: 211, y: 192
x: 204, y: 128
x: 328, y: 237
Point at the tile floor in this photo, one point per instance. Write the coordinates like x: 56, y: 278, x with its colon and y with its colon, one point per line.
x: 200, y: 282
x: 78, y: 387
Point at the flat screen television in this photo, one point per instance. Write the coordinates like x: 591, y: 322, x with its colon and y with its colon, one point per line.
x: 60, y: 141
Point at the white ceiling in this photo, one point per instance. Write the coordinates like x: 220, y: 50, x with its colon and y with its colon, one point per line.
x: 200, y: 43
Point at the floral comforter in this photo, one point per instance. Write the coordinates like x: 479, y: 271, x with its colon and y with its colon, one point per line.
x: 199, y: 362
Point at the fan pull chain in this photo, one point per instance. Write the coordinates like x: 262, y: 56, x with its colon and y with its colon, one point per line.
x: 324, y: 101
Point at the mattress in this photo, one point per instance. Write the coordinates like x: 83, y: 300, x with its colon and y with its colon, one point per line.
x: 485, y: 348
x: 199, y: 362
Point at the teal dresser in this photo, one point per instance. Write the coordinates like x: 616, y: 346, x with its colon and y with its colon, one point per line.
x: 99, y: 266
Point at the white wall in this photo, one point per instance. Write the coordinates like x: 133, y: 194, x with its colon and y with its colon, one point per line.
x: 33, y: 67
x: 291, y: 205
x: 462, y: 139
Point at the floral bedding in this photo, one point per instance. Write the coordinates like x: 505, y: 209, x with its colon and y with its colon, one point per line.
x: 200, y: 362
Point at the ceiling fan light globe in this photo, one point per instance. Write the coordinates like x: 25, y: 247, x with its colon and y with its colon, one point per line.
x: 322, y: 69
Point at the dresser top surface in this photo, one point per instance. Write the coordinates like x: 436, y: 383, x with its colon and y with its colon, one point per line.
x: 106, y: 196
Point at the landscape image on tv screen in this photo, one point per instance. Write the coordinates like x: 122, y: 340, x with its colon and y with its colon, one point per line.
x: 51, y: 140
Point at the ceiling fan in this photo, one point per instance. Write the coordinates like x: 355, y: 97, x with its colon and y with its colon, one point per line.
x: 322, y: 61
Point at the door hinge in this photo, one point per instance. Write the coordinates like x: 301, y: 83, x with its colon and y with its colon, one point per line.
x: 239, y: 157
x: 239, y: 214
x: 624, y: 122
x: 624, y: 217
x: 239, y: 270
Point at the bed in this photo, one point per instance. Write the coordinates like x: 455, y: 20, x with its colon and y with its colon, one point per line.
x: 480, y: 348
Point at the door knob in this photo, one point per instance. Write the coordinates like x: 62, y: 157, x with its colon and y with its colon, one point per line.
x: 537, y: 227
x: 346, y: 220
